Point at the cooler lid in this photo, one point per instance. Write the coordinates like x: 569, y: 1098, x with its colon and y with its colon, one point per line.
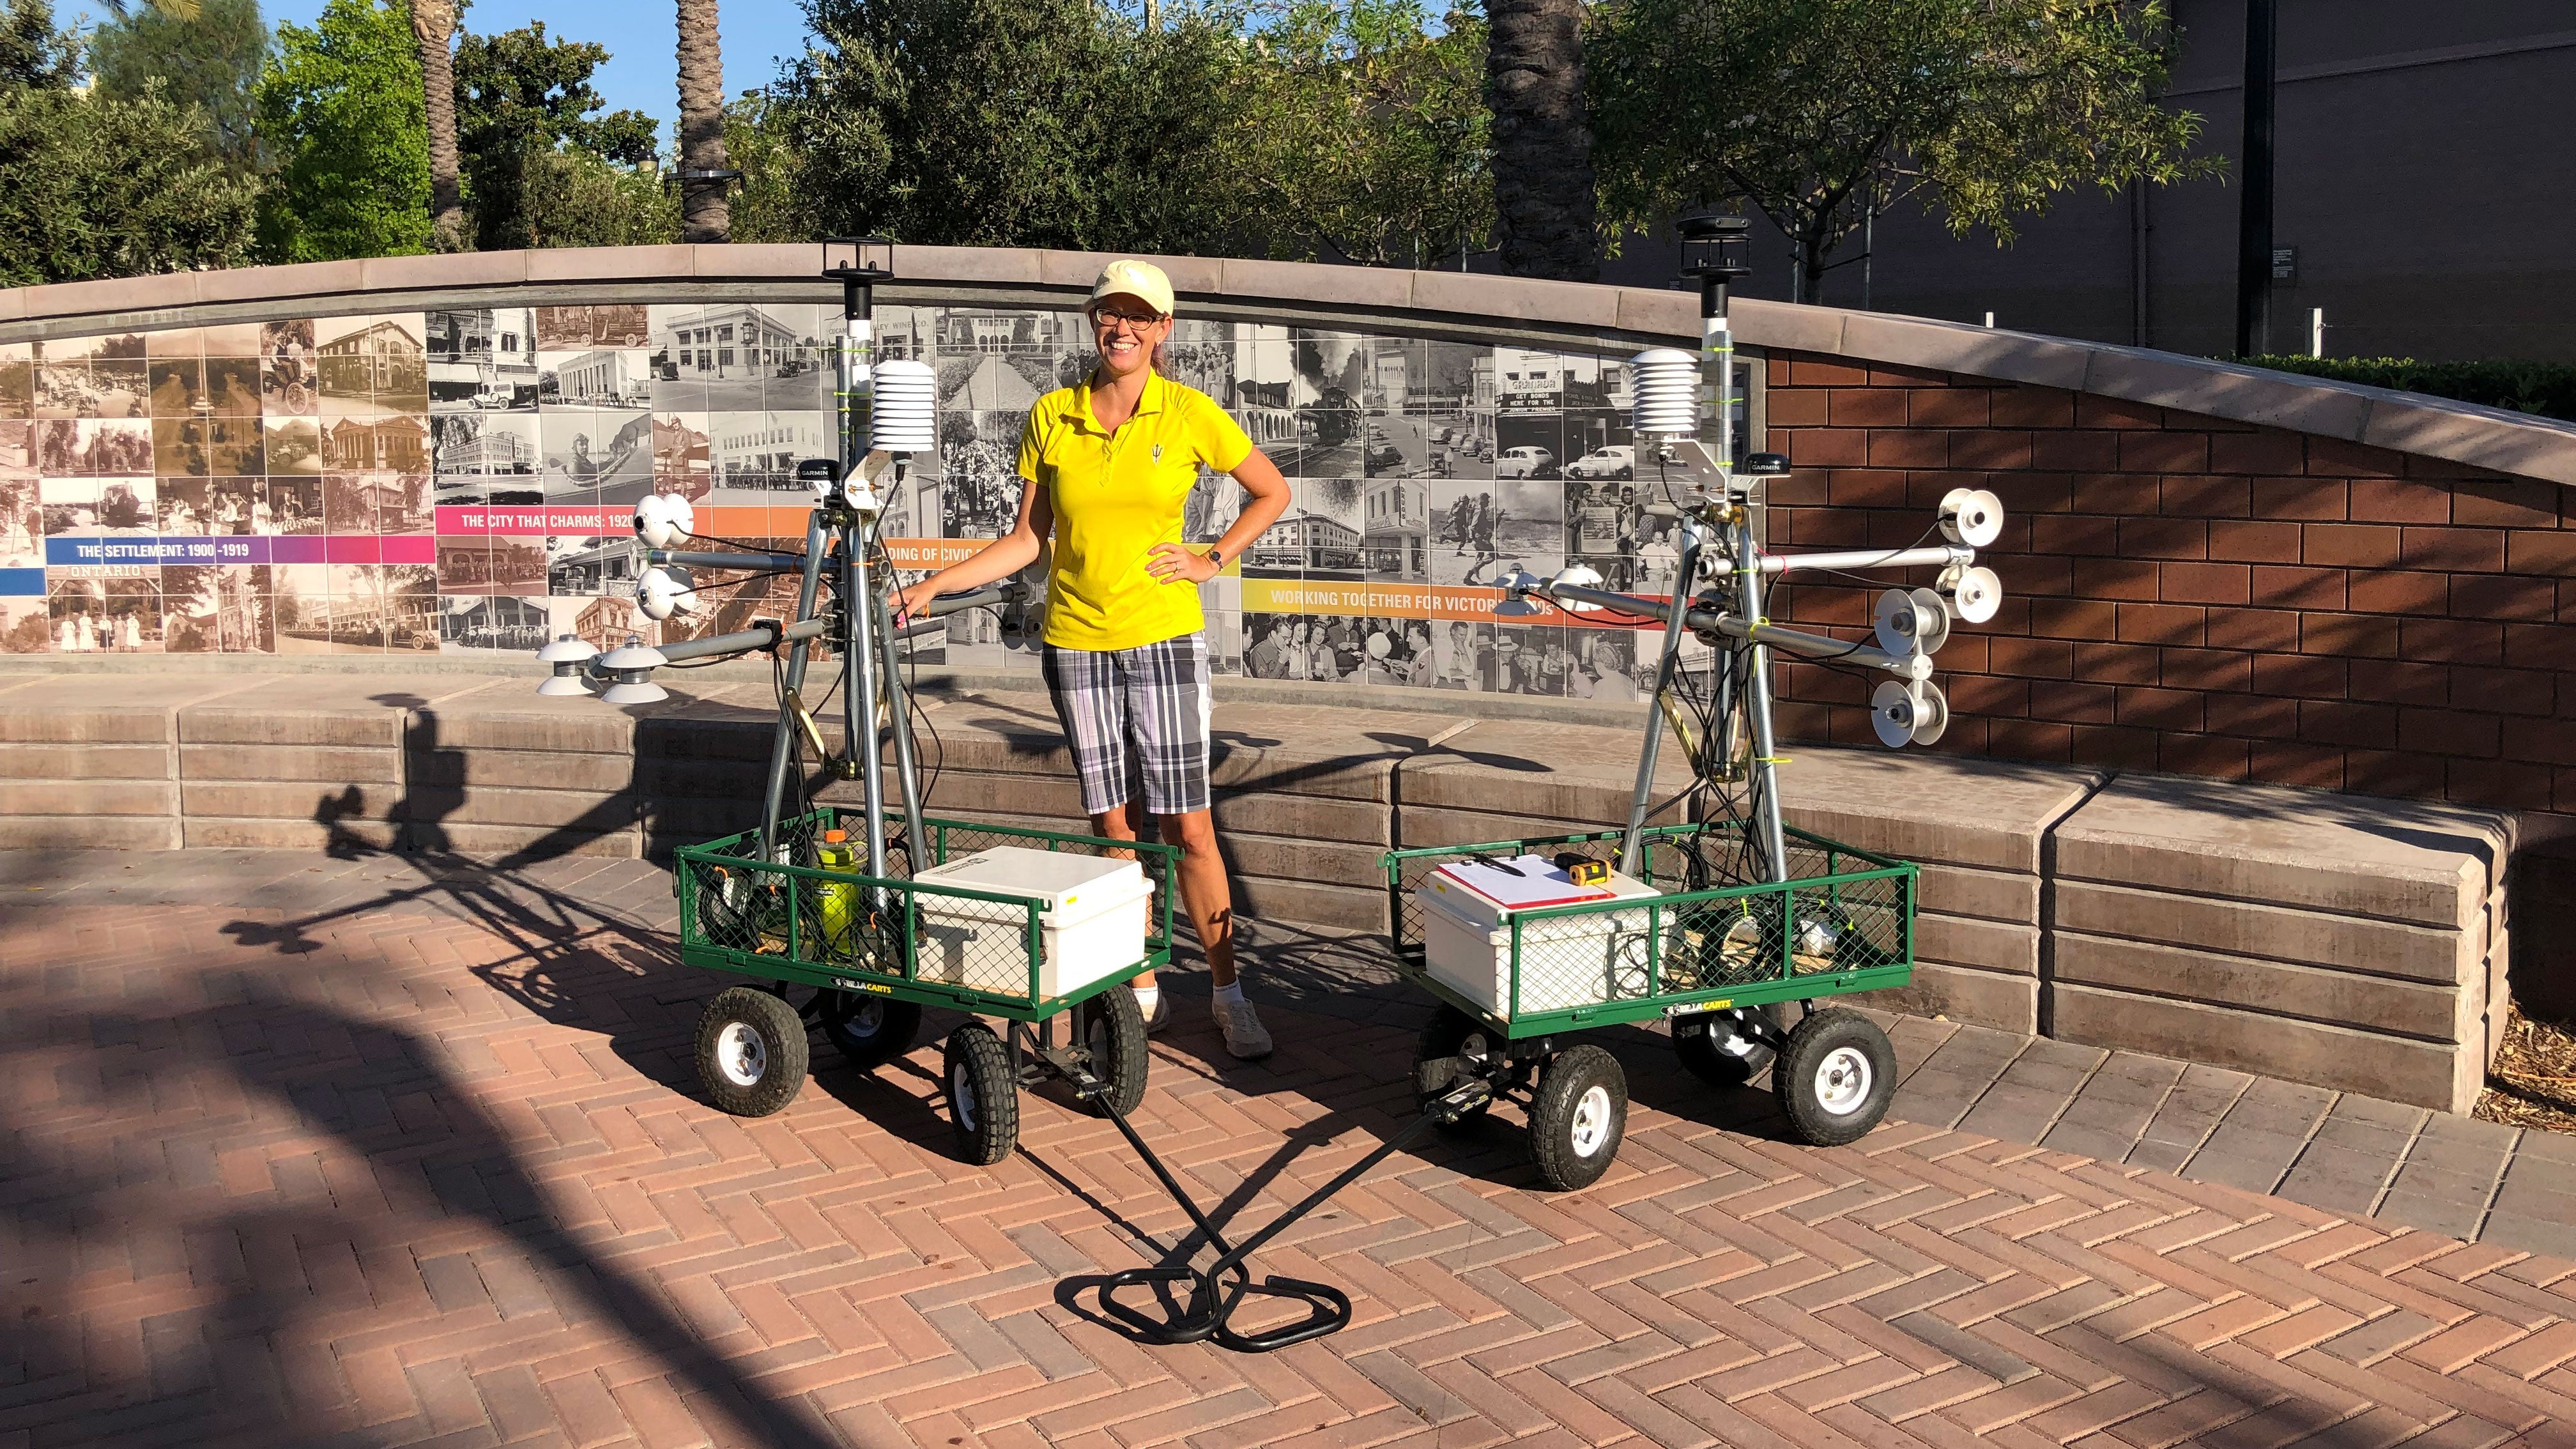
x: 1523, y: 883
x: 1065, y: 879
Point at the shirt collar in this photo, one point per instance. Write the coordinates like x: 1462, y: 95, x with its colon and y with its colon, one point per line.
x: 1152, y: 400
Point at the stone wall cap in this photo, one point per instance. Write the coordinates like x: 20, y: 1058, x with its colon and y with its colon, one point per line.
x: 2309, y: 829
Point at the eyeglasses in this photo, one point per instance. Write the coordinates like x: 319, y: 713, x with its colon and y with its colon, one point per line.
x: 1109, y: 321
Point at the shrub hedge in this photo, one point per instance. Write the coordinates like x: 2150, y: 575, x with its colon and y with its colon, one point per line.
x: 2545, y: 389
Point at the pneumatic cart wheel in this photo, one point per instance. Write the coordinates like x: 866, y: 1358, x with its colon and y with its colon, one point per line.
x: 751, y: 1051
x: 1712, y: 1049
x: 983, y: 1095
x: 1578, y: 1117
x: 1112, y: 1027
x: 1835, y: 1077
x: 869, y: 1030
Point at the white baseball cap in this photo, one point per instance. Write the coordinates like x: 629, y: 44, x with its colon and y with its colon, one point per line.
x: 1141, y: 280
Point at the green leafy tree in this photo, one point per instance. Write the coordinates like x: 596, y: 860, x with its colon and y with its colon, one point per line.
x: 765, y: 206
x: 1031, y: 122
x: 540, y: 166
x: 581, y: 199
x: 341, y: 104
x: 1819, y: 111
x: 1370, y: 131
x: 33, y: 54
x: 212, y: 60
x: 94, y: 185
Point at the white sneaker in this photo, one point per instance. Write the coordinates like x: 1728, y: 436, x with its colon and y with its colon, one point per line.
x: 1245, y: 1037
x: 1161, y: 1015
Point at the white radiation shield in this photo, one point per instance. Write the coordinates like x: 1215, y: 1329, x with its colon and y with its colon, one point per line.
x: 1903, y: 713
x: 665, y: 591
x: 1976, y: 593
x: 664, y: 521
x: 1580, y: 577
x: 1972, y: 516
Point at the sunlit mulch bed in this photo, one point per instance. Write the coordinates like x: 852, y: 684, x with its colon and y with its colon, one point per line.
x: 2533, y: 1081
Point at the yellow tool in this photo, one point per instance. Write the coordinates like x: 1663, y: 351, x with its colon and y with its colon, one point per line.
x: 1589, y: 872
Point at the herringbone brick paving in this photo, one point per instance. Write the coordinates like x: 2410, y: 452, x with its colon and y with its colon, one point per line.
x: 389, y: 1175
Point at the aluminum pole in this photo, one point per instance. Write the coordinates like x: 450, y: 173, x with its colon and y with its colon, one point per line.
x: 781, y: 750
x: 859, y: 690
x: 1757, y: 704
x: 1795, y: 641
x: 1939, y: 555
x: 1675, y: 625
x: 1717, y: 349
x: 703, y: 559
x: 907, y: 774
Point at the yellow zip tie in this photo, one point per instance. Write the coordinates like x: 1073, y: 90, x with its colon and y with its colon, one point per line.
x: 1771, y: 759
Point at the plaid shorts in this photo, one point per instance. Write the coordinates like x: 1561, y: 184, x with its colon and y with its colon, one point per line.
x: 1137, y: 719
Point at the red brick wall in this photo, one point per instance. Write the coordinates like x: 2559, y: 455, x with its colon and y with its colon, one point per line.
x: 2198, y: 596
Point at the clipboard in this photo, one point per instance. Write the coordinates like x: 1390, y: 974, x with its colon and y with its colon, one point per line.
x: 1539, y: 883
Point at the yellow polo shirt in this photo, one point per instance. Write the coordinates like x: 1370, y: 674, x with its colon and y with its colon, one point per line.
x: 1114, y: 499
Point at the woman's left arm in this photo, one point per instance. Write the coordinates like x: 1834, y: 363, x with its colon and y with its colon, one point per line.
x: 1172, y: 562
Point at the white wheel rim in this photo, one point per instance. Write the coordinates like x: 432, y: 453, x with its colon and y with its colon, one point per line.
x: 961, y: 1097
x: 741, y: 1055
x: 1843, y: 1080
x: 1591, y: 1121
x: 865, y: 1019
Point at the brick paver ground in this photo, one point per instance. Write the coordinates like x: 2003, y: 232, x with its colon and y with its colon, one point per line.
x: 362, y: 1162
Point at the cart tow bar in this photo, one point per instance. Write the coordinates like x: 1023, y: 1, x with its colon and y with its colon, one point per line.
x: 1217, y: 1290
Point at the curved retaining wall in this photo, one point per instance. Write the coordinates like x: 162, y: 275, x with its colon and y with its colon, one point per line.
x: 2210, y: 569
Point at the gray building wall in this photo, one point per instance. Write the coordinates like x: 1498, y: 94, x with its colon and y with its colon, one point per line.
x: 2423, y: 176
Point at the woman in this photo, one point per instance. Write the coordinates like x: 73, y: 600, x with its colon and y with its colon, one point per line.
x: 1106, y: 469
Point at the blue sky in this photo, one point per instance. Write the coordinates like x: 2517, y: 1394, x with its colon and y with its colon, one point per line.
x: 642, y: 40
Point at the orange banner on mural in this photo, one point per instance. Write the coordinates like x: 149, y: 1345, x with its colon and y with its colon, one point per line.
x: 1371, y: 600
x: 933, y: 553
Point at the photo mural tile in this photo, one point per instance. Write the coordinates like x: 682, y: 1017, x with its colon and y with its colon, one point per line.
x: 462, y: 480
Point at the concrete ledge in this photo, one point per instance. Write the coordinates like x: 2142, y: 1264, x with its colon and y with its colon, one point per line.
x: 2347, y: 942
x: 2370, y: 1063
x: 2331, y: 939
x: 2343, y: 854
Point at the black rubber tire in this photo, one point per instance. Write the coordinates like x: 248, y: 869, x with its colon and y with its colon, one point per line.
x: 1451, y: 1032
x: 752, y: 1055
x: 983, y: 1095
x: 1697, y: 1046
x: 869, y: 1030
x: 1814, y: 1048
x: 1112, y: 1025
x: 1558, y: 1110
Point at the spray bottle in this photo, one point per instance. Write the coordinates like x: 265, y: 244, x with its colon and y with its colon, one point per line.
x: 840, y: 898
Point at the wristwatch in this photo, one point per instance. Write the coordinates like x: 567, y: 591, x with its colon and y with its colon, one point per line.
x: 1216, y: 556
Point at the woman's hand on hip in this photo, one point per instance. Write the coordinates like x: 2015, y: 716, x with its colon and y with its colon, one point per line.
x: 1174, y: 563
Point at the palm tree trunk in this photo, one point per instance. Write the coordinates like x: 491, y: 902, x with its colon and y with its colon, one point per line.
x: 432, y: 22
x: 1543, y: 197
x: 704, y: 216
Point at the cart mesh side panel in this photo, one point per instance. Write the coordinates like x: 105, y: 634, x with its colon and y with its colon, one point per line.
x: 1716, y: 923
x: 792, y: 909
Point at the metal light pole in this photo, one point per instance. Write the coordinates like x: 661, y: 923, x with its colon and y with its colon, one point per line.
x: 2254, y: 205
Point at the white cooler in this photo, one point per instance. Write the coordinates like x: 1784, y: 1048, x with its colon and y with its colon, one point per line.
x: 1094, y: 925
x: 1568, y: 961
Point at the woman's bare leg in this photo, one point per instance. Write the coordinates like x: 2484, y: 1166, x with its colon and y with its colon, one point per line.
x: 1206, y: 898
